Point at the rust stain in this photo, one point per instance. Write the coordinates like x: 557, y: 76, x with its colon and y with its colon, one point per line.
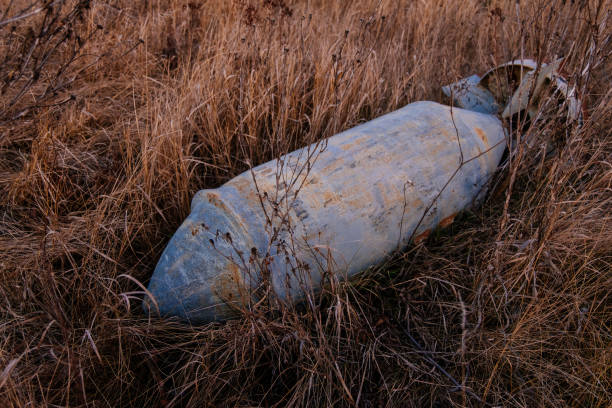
x: 213, y: 198
x: 422, y: 236
x: 241, y: 184
x: 445, y: 132
x: 245, y: 187
x: 226, y: 285
x: 313, y: 180
x: 329, y: 197
x: 179, y: 261
x: 333, y: 166
x: 234, y: 271
x: 225, y: 293
x: 357, y: 142
x: 347, y: 146
x: 482, y: 135
x: 448, y: 220
x: 389, y: 196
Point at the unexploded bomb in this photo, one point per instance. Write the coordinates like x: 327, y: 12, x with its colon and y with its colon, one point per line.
x: 342, y: 205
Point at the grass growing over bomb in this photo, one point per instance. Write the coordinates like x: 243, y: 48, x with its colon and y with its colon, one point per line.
x: 114, y: 114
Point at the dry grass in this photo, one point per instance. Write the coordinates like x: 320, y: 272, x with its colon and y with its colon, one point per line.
x: 512, y: 301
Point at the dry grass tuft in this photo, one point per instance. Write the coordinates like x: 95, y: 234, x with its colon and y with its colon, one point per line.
x: 140, y: 104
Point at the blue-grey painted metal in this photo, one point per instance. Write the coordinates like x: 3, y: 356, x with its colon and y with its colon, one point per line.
x: 469, y: 94
x: 344, y: 205
x: 363, y: 195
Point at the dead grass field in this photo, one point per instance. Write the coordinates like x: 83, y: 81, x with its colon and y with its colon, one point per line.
x: 112, y: 118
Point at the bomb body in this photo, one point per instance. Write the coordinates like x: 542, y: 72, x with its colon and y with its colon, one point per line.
x: 360, y: 196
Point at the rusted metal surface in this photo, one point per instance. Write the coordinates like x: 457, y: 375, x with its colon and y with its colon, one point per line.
x: 533, y: 87
x: 514, y: 87
x: 370, y: 191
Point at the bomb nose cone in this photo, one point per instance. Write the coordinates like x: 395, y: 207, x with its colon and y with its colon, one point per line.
x: 178, y: 286
x: 195, y: 279
x: 173, y: 280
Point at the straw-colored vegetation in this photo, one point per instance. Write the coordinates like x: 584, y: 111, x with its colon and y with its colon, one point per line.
x: 114, y: 113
